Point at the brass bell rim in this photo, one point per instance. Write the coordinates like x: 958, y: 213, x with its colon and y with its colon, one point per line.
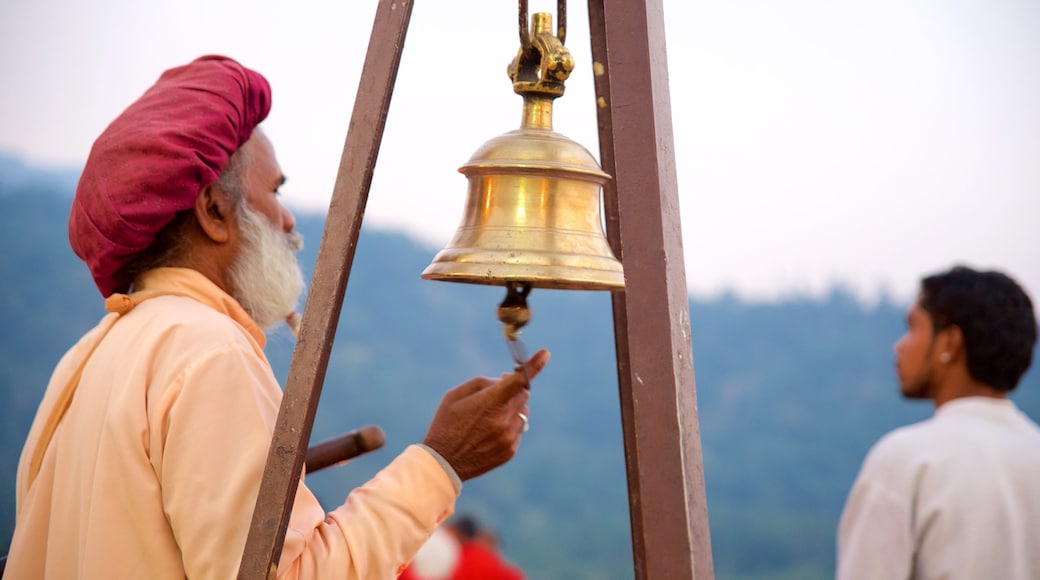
x: 542, y: 267
x: 548, y: 278
x: 536, y: 134
x: 522, y: 168
x: 533, y: 149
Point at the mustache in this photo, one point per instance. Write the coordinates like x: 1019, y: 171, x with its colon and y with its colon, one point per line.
x: 294, y: 240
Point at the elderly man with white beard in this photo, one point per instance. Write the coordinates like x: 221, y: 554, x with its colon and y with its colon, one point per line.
x: 146, y: 454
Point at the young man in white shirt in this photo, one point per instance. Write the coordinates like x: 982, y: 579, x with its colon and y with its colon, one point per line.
x: 956, y: 496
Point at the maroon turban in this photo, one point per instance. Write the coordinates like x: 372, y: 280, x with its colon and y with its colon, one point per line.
x: 157, y: 156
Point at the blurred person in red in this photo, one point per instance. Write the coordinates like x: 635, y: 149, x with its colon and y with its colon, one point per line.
x: 461, y: 550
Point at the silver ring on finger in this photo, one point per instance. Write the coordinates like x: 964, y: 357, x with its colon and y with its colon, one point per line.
x: 527, y: 425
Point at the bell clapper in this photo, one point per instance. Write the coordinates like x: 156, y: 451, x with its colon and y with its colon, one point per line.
x: 514, y: 314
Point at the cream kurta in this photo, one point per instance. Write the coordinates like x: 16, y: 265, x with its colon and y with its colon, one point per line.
x: 953, y: 497
x: 153, y: 472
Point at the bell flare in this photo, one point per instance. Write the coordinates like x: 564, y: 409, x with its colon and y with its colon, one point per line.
x: 559, y: 269
x: 541, y: 225
x: 533, y: 214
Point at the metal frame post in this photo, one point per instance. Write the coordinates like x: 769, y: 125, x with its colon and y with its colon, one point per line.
x: 325, y: 298
x: 667, y: 501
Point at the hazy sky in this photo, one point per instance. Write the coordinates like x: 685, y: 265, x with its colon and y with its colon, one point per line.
x: 817, y: 142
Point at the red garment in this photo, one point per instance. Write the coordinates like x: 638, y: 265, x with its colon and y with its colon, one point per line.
x: 479, y: 562
x: 475, y: 562
x: 154, y: 159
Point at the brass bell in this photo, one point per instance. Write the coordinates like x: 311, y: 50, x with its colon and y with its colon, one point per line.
x: 533, y: 211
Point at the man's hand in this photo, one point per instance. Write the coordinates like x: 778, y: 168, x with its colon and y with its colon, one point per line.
x: 478, y: 426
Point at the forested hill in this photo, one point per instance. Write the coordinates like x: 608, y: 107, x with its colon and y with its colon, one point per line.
x: 790, y: 395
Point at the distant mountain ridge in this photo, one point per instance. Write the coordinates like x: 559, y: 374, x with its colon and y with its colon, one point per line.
x: 16, y: 174
x: 790, y: 396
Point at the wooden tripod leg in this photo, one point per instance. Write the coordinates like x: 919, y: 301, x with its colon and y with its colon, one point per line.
x: 325, y: 299
x: 667, y: 501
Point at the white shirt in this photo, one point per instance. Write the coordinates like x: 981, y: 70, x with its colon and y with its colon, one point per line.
x: 954, y: 497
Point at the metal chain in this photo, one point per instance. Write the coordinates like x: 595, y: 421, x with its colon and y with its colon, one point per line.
x: 513, y: 313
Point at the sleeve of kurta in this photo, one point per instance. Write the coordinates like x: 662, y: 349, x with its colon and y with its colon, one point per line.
x: 875, y: 538
x: 217, y: 429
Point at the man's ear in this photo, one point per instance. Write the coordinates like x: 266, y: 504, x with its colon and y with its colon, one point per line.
x: 215, y: 212
x: 951, y: 340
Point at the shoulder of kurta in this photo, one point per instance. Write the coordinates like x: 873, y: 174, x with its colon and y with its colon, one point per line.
x: 200, y: 326
x: 186, y: 341
x: 895, y: 447
x: 902, y: 439
x: 901, y: 456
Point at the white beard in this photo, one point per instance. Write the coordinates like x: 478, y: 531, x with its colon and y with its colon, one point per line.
x: 266, y: 276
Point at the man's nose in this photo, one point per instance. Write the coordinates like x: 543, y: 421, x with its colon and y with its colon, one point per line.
x: 288, y: 219
x: 898, y: 346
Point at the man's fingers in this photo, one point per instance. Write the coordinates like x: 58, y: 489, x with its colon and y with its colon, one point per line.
x: 513, y: 382
x: 469, y: 387
x: 535, y: 364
